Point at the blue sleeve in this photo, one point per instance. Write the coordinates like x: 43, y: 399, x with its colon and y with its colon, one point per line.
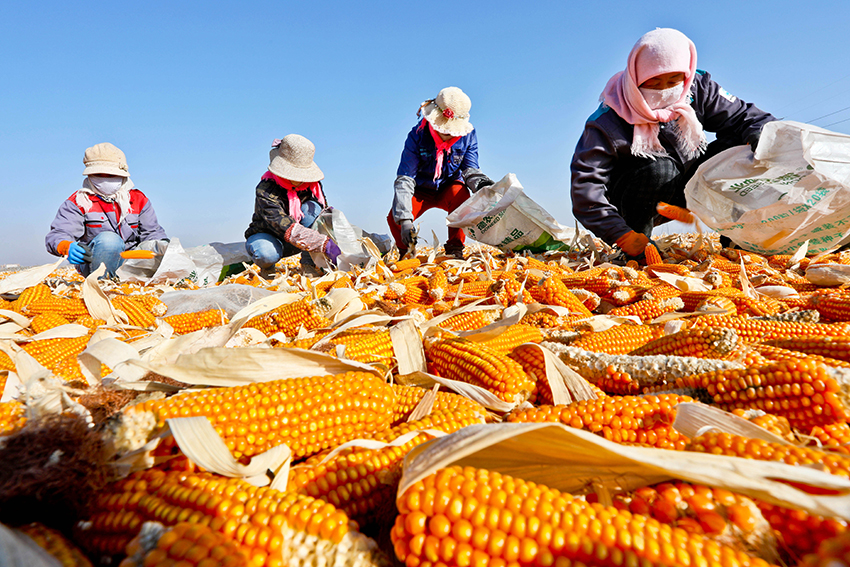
x: 470, y: 158
x: 409, y: 164
x: 67, y: 225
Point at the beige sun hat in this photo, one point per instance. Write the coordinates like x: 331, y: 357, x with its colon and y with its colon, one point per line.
x: 106, y: 159
x: 293, y: 160
x: 449, y: 112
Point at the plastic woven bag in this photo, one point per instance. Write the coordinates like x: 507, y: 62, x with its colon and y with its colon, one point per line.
x: 349, y: 238
x: 502, y: 215
x: 795, y: 188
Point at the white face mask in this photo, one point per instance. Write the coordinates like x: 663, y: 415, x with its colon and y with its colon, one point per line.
x: 662, y: 98
x: 106, y: 186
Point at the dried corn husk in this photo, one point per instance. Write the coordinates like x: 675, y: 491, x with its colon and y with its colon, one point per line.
x: 693, y: 419
x: 828, y: 274
x: 19, y: 281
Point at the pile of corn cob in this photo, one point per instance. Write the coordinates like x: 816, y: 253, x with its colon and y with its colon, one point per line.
x: 741, y: 332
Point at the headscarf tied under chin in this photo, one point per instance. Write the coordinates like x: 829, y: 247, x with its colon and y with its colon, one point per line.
x: 292, y: 193
x: 121, y: 197
x: 660, y: 51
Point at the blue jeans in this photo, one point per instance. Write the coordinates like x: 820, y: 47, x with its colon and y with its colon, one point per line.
x: 266, y: 249
x: 105, y: 248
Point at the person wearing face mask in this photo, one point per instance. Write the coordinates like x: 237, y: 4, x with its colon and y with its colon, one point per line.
x: 107, y: 216
x: 288, y: 200
x: 438, y: 168
x: 646, y: 139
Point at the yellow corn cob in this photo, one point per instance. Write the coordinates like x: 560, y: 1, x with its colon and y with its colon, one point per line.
x: 275, y: 527
x: 745, y: 305
x: 67, y: 307
x: 803, y: 391
x: 577, y: 279
x: 366, y: 344
x: 833, y: 306
x: 12, y: 417
x: 661, y: 291
x: 90, y: 322
x: 185, y: 544
x: 652, y: 256
x: 470, y: 320
x: 479, y: 288
x: 289, y: 318
x: 801, y: 534
x: 190, y: 322
x: 6, y: 363
x: 44, y: 321
x: 634, y: 420
x: 750, y: 330
x: 445, y: 420
x: 438, y: 283
x: 707, y: 342
x: 775, y: 424
x: 308, y: 414
x: 721, y: 443
x: 587, y: 298
x: 623, y: 295
x: 151, y: 303
x: 56, y: 544
x: 409, y: 264
x: 510, y: 291
x: 830, y: 347
x: 771, y: 353
x: 534, y: 365
x: 408, y: 397
x: 548, y: 320
x: 51, y: 352
x: 833, y: 436
x: 552, y: 291
x: 468, y: 516
x: 719, y: 302
x: 677, y: 269
x: 512, y: 337
x: 469, y: 362
x: 618, y: 383
x: 30, y: 294
x: 621, y: 339
x: 137, y: 314
x: 648, y: 309
x: 599, y: 285
x: 728, y: 518
x: 416, y: 293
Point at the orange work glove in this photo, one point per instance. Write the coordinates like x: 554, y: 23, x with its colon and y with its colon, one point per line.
x: 62, y: 247
x: 633, y: 243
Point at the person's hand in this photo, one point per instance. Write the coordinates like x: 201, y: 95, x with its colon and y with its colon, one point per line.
x: 332, y: 251
x: 633, y: 243
x: 485, y: 182
x: 408, y: 232
x: 79, y: 253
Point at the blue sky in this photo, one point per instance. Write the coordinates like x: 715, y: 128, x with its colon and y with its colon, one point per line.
x: 195, y: 92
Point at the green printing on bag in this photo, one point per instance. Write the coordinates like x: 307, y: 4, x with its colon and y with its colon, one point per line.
x: 544, y: 242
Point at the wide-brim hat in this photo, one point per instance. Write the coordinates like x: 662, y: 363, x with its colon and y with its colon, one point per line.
x: 449, y: 112
x: 105, y: 159
x: 293, y: 160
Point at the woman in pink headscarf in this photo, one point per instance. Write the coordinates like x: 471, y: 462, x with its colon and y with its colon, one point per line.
x: 647, y: 138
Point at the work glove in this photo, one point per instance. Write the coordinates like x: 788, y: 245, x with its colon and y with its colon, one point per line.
x: 633, y: 243
x: 79, y: 253
x: 332, y: 251
x: 408, y: 233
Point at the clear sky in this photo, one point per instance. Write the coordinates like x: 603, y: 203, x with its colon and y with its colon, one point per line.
x: 194, y: 93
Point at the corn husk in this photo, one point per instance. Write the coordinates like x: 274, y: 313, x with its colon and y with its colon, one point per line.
x: 19, y: 281
x: 566, y: 384
x: 425, y: 405
x: 407, y: 347
x: 693, y: 419
x: 96, y: 301
x: 19, y: 550
x: 828, y: 274
x: 685, y: 283
x: 574, y: 460
x: 68, y: 331
x: 17, y: 318
x: 471, y: 391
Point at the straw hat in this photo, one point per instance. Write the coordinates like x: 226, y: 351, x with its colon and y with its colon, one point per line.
x: 449, y: 112
x: 107, y: 159
x: 293, y: 160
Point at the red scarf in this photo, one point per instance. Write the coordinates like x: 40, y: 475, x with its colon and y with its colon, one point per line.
x: 292, y: 193
x: 443, y: 148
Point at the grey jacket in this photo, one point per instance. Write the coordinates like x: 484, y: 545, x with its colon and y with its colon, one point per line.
x: 604, y: 149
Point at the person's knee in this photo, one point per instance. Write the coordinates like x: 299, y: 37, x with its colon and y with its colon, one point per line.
x: 263, y: 251
x: 108, y: 241
x: 310, y: 211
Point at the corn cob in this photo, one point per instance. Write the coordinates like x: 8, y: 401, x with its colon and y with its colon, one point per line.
x: 56, y: 544
x: 69, y: 370
x: 648, y: 309
x: 509, y: 291
x: 621, y: 339
x: 661, y: 291
x: 624, y: 294
x: 6, y: 363
x: 832, y: 436
x: 827, y: 549
x: 805, y: 392
x: 394, y: 291
x: 12, y: 417
x: 445, y: 420
x: 438, y: 283
x: 775, y: 424
x: 587, y: 298
x: 45, y: 321
x: 408, y: 397
x: 634, y: 420
x: 803, y: 316
x: 728, y: 518
x: 773, y: 353
x: 578, y: 279
x: 618, y: 383
x: 90, y: 322
x: 470, y: 320
x: 308, y: 414
x: 662, y: 268
x: 151, y: 303
x: 512, y: 337
x: 409, y: 264
x: 275, y: 527
x: 416, y: 293
x: 189, y: 322
x: 51, y: 352
x: 715, y: 304
x: 833, y: 306
x: 600, y: 285
x: 30, y: 294
x: 185, y: 544
x: 482, y: 366
x: 472, y: 289
x: 551, y: 291
x: 717, y: 279
x: 653, y: 257
x: 829, y: 347
x: 289, y: 318
x: 548, y: 320
x: 67, y: 307
x: 366, y: 344
x: 467, y: 516
x: 534, y: 365
x: 645, y: 370
x: 752, y: 331
x: 701, y: 343
x: 137, y: 314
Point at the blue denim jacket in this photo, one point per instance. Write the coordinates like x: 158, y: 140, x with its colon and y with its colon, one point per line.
x: 419, y: 158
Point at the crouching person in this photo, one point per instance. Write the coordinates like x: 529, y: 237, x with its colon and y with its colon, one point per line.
x: 289, y: 199
x: 107, y: 216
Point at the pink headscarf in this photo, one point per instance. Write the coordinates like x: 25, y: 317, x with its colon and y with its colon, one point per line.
x: 292, y: 193
x: 660, y: 51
